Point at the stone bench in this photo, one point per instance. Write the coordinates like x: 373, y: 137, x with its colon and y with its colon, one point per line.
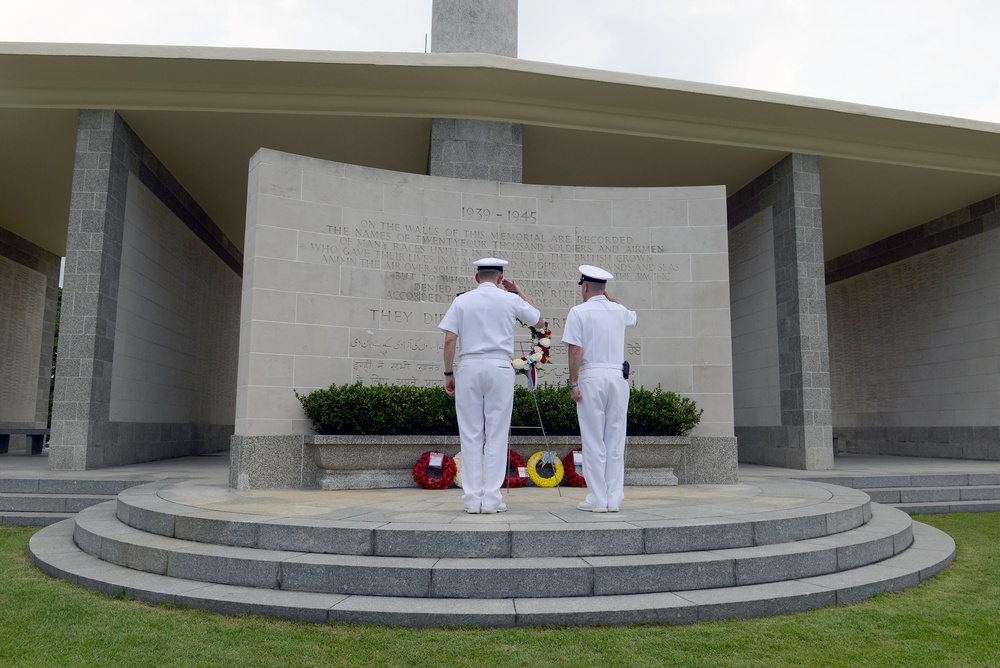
x: 34, y: 442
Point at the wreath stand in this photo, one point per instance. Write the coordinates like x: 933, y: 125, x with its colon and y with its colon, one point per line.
x: 529, y: 373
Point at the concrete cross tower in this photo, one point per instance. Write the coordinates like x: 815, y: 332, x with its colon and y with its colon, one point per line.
x: 469, y: 148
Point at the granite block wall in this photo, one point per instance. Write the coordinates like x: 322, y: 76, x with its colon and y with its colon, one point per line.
x: 915, y: 340
x: 29, y: 290
x: 471, y: 149
x: 757, y: 403
x: 176, y: 345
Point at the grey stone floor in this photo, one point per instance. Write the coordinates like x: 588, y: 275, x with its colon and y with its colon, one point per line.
x: 202, y: 484
x: 534, y: 506
x: 37, y: 466
x: 217, y: 466
x: 877, y: 465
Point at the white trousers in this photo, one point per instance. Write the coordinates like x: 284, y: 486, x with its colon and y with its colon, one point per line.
x: 602, y: 412
x: 484, y: 400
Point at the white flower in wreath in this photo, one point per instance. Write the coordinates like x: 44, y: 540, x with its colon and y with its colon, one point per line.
x: 519, y: 364
x: 537, y: 356
x: 546, y: 342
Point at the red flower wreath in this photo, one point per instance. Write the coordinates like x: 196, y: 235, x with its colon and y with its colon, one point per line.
x: 514, y: 461
x: 570, y: 476
x: 424, y: 481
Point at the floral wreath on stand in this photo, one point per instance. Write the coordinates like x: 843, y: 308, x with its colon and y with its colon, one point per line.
x: 570, y: 476
x: 541, y: 341
x: 545, y: 458
x: 425, y: 481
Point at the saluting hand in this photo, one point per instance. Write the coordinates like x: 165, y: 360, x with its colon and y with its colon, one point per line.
x: 510, y: 286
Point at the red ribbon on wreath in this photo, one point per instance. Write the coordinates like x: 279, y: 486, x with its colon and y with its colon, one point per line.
x: 424, y: 481
x: 514, y: 461
x: 570, y: 476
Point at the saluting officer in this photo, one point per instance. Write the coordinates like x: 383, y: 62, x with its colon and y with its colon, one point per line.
x: 595, y: 333
x: 481, y: 323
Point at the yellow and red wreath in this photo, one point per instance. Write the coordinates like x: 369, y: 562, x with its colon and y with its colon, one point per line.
x: 545, y: 460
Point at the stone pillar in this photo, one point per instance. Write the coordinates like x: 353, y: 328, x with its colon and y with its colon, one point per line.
x: 474, y: 26
x: 470, y: 148
x: 150, y: 316
x: 82, y: 397
x: 788, y: 355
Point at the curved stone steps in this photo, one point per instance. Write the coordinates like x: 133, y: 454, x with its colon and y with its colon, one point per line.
x: 52, y: 549
x: 32, y: 519
x: 897, y: 495
x: 600, y: 535
x: 44, y: 501
x: 49, y: 503
x: 935, y: 493
x: 936, y: 507
x: 99, y: 532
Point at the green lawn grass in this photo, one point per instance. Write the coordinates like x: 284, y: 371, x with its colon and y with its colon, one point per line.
x: 953, y: 621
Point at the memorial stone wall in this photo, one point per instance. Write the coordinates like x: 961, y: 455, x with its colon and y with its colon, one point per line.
x: 915, y: 349
x: 22, y: 315
x: 349, y: 270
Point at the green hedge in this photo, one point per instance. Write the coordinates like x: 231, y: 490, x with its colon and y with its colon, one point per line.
x: 405, y: 409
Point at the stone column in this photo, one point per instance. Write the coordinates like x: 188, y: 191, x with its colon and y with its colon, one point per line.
x: 474, y: 26
x: 82, y: 396
x: 795, y: 429
x: 470, y: 148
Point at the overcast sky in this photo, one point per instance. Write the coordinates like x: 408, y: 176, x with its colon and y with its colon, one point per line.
x: 934, y: 56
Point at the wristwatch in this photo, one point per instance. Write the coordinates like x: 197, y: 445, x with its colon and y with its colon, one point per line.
x: 449, y: 373
x: 572, y: 385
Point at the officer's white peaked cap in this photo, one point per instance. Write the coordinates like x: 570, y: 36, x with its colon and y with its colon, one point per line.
x: 594, y: 274
x: 490, y: 263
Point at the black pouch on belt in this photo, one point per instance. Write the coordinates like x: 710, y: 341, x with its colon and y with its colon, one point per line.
x: 625, y: 369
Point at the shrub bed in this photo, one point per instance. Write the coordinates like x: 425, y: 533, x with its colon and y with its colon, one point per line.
x: 407, y: 409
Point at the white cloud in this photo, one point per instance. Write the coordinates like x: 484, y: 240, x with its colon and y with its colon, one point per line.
x: 375, y: 25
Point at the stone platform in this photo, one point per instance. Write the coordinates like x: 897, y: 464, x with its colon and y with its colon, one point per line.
x: 413, y: 557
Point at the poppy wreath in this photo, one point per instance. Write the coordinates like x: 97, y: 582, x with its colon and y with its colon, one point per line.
x: 540, y: 459
x: 424, y: 481
x: 514, y: 461
x: 570, y: 476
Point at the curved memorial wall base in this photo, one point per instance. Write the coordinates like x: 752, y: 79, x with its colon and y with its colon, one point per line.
x: 348, y: 271
x: 365, y: 462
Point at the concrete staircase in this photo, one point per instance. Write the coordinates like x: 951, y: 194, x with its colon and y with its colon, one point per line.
x: 791, y: 546
x: 937, y: 493
x: 44, y: 501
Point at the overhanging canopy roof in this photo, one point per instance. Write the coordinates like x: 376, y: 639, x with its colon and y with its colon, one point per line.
x: 205, y: 111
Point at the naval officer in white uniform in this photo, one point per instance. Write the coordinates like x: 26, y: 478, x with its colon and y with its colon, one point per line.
x: 595, y: 334
x: 481, y: 323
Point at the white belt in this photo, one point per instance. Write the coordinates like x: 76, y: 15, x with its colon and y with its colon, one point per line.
x: 484, y: 356
x: 588, y: 365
